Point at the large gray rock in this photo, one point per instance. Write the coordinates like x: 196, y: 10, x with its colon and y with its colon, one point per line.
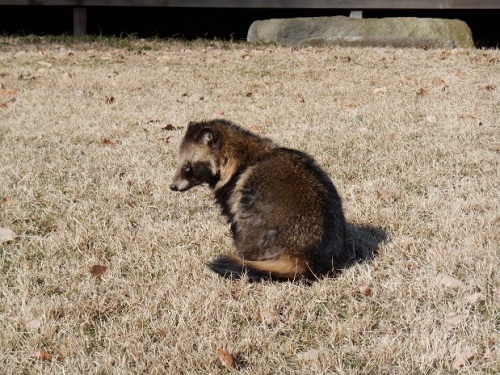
x: 378, y: 32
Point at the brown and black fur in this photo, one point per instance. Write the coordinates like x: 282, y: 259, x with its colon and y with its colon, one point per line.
x: 285, y: 214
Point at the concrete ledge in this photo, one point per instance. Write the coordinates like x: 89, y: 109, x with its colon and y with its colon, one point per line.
x: 345, y: 31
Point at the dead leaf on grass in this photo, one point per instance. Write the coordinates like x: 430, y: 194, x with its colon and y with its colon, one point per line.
x: 109, y: 143
x: 379, y: 90
x: 45, y: 63
x: 449, y: 281
x: 445, y: 54
x: 169, y: 127
x: 422, y: 91
x: 34, y: 324
x: 454, y: 321
x: 130, y: 202
x: 110, y: 100
x: 8, y: 201
x: 365, y: 290
x: 7, y: 93
x: 42, y: 355
x: 383, y: 194
x: 219, y: 112
x: 438, y: 82
x: 388, y: 137
x: 267, y: 318
x: 226, y: 358
x: 97, y: 270
x: 255, y: 128
x: 475, y: 298
x: 490, y: 87
x: 6, y: 235
x: 463, y: 359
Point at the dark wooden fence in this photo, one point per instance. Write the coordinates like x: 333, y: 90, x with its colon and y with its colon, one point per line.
x: 80, y: 6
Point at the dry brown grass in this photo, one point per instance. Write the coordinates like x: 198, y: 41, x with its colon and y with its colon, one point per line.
x: 410, y: 138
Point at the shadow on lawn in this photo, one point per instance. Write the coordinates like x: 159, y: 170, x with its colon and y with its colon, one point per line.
x: 364, y: 242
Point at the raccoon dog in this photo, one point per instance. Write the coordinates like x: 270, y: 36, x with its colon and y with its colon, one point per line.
x: 285, y: 214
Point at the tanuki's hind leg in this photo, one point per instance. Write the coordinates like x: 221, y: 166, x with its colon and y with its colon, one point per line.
x: 283, y: 267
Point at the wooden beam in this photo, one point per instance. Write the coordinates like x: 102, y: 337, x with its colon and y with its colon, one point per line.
x: 284, y: 4
x: 79, y: 21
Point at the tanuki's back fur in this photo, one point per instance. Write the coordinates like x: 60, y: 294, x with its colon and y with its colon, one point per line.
x: 285, y: 214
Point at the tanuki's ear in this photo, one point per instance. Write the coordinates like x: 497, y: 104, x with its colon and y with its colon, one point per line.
x: 208, y: 137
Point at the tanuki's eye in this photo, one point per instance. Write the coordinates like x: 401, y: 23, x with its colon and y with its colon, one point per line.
x: 188, y: 171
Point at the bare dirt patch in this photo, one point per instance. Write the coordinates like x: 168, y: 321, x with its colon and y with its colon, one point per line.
x: 106, y: 271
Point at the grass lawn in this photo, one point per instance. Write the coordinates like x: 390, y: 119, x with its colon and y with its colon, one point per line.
x: 89, y: 132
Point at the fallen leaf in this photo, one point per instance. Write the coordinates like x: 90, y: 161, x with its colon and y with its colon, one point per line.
x: 422, y: 91
x: 255, y: 128
x: 464, y: 358
x: 169, y: 127
x: 475, y: 298
x: 8, y: 201
x: 226, y: 358
x: 379, y: 90
x: 7, y: 93
x: 455, y: 321
x: 449, y: 281
x: 6, y: 234
x: 365, y: 290
x: 197, y: 97
x: 445, y: 54
x: 490, y: 87
x: 42, y: 355
x: 34, y: 324
x: 383, y: 194
x: 97, y: 270
x: 301, y: 98
x: 110, y: 100
x: 438, y: 82
x: 267, y: 317
x: 130, y: 203
x: 389, y: 137
x: 45, y: 63
x: 108, y: 142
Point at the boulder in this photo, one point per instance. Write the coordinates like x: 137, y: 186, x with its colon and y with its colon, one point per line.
x: 376, y: 32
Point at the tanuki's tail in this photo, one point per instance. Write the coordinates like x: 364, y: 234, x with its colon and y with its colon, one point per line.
x: 284, y: 268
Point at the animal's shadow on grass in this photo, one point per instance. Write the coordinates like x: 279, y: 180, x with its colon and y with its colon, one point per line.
x: 363, y: 241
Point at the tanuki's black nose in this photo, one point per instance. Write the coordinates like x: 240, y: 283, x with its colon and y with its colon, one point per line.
x: 174, y: 187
